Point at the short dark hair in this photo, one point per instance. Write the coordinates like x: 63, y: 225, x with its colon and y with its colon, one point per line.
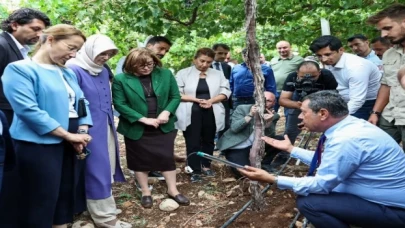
x: 24, y: 16
x: 382, y: 40
x: 329, y: 100
x: 326, y: 41
x: 224, y: 46
x: 308, y: 63
x: 394, y: 11
x: 244, y: 51
x: 357, y: 36
x: 158, y: 39
x: 205, y: 51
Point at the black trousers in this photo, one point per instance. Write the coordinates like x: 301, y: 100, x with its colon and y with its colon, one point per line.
x: 340, y: 210
x: 51, y: 180
x: 199, y: 136
x: 9, y: 113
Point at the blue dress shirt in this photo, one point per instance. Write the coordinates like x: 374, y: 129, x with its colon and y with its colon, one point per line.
x: 242, y: 82
x: 359, y: 159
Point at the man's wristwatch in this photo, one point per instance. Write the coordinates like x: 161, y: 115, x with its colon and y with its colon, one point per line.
x: 375, y: 112
x: 82, y: 131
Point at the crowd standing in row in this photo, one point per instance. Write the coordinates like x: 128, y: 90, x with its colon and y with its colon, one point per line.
x: 63, y: 156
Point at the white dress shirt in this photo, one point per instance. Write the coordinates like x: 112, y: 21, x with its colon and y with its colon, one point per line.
x: 24, y: 49
x: 358, y: 80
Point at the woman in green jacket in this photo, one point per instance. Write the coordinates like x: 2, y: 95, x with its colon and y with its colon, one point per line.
x: 146, y: 96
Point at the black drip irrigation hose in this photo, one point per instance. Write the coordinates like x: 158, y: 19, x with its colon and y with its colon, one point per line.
x: 238, y: 213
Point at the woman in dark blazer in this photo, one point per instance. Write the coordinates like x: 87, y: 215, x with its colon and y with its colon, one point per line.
x: 147, y: 97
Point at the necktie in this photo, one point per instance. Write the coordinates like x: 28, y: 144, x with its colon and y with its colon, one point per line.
x: 316, y: 160
x: 216, y: 64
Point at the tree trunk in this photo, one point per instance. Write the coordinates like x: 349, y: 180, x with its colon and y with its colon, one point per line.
x: 253, y: 63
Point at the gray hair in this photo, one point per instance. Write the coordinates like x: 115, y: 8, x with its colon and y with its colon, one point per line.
x: 329, y: 100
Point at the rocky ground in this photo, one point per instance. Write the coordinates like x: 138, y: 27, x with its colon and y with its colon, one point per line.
x: 213, y: 202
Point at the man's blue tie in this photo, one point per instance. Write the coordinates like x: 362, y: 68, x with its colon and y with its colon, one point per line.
x: 316, y: 160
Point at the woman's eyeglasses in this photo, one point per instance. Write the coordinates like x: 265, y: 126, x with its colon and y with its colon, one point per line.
x: 149, y: 65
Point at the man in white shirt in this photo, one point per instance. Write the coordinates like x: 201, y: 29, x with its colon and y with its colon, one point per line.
x: 358, y: 79
x: 361, y: 47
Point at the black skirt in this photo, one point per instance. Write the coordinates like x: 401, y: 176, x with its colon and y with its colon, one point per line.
x: 152, y: 152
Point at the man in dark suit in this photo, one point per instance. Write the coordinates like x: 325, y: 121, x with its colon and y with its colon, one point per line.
x: 22, y: 28
x: 221, y: 51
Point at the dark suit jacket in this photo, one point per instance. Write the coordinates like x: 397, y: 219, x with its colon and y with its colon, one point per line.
x: 6, y: 147
x: 129, y: 100
x: 226, y: 69
x: 8, y: 53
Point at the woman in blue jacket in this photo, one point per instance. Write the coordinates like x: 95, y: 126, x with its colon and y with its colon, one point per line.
x: 50, y: 113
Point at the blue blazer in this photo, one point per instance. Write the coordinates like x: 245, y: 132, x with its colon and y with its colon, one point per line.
x: 40, y: 101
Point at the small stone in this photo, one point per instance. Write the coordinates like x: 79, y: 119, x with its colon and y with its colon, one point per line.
x: 198, y: 222
x: 201, y: 193
x: 172, y: 214
x: 168, y: 205
x: 289, y: 195
x: 269, y: 192
x: 192, y: 204
x: 82, y: 224
x: 288, y: 215
x: 298, y: 224
x: 126, y: 204
x: 231, y: 203
x: 228, y: 180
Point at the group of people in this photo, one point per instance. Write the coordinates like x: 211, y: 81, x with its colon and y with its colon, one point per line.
x: 62, y: 153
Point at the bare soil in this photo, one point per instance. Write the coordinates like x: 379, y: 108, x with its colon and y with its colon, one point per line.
x: 213, y: 202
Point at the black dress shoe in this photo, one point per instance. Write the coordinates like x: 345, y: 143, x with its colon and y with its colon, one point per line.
x: 147, y: 201
x: 195, y: 178
x: 208, y: 173
x: 180, y: 199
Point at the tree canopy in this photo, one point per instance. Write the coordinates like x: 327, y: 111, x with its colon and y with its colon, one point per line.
x: 191, y: 24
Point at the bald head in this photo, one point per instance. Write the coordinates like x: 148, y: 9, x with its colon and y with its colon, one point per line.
x: 270, y: 99
x: 284, y: 49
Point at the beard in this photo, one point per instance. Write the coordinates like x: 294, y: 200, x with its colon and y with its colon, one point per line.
x: 400, y: 40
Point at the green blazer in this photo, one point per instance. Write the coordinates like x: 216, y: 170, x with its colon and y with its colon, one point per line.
x: 240, y: 131
x: 129, y: 100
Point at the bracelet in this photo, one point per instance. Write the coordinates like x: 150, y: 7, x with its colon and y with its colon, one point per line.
x: 82, y: 131
x: 375, y: 112
x: 249, y: 115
